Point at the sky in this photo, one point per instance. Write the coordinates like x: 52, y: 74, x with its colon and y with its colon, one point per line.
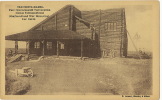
x: 138, y: 20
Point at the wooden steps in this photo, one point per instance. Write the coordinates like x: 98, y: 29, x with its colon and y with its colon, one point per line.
x: 15, y: 58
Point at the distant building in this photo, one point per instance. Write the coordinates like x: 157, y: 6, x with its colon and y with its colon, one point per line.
x: 71, y: 32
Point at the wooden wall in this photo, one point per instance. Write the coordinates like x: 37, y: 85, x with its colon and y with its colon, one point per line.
x: 59, y: 21
x: 71, y: 48
x: 89, y: 16
x: 74, y: 12
x: 82, y: 29
x: 33, y: 50
x: 113, y: 40
x: 108, y: 40
x: 105, y: 40
x: 62, y: 20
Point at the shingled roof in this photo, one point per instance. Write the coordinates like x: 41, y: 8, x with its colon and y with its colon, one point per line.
x: 40, y: 35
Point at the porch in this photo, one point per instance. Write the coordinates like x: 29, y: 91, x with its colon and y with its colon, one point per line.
x: 55, y: 42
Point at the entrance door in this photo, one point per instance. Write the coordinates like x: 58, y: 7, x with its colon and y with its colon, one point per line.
x: 50, y: 48
x: 62, y: 49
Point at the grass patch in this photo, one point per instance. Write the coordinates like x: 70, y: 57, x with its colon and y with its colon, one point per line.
x: 15, y: 86
x: 117, y: 76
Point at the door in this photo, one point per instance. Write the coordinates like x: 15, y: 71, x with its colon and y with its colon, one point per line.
x: 62, y: 49
x: 50, y: 48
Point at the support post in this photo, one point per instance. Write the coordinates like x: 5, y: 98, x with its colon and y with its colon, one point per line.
x: 89, y: 47
x: 16, y: 47
x: 71, y: 19
x: 28, y: 47
x: 99, y: 25
x: 81, y: 48
x: 58, y: 48
x: 43, y: 47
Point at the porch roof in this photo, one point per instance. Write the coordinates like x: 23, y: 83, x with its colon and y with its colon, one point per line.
x: 41, y: 35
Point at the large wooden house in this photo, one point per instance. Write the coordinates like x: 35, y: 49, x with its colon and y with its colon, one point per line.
x: 71, y: 32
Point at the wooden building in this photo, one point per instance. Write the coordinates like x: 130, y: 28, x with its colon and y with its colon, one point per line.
x: 71, y: 32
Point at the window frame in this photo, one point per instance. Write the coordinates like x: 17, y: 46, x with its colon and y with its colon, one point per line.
x: 49, y: 45
x: 62, y: 46
x: 110, y: 26
x: 37, y: 45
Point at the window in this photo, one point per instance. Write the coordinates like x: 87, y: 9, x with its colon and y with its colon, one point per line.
x: 49, y: 45
x: 61, y: 46
x: 110, y: 26
x: 37, y: 45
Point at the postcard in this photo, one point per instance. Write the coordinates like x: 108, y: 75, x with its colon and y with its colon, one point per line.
x: 60, y: 50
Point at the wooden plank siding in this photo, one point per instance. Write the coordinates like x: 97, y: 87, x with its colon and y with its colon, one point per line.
x: 83, y: 29
x: 113, y: 40
x: 108, y: 40
x: 60, y: 21
x: 102, y: 39
x: 93, y: 18
x: 63, y: 20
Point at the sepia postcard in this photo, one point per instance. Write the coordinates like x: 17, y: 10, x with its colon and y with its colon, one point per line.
x: 101, y: 50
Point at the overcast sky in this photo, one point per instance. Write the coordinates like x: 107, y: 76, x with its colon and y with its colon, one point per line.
x: 138, y: 20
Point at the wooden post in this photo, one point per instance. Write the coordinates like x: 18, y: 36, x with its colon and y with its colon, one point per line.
x: 81, y: 48
x: 99, y: 25
x: 57, y: 48
x: 122, y: 32
x: 43, y: 47
x: 28, y: 47
x: 56, y: 21
x: 91, y: 27
x: 16, y: 47
x: 98, y: 37
x: 71, y: 18
x: 125, y: 41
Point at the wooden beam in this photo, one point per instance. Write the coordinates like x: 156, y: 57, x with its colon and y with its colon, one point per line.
x: 71, y: 18
x: 28, y: 47
x: 83, y: 21
x: 99, y: 26
x: 81, y: 48
x: 56, y: 21
x: 43, y: 48
x: 16, y: 47
x: 92, y: 33
x: 57, y: 48
x: 89, y: 47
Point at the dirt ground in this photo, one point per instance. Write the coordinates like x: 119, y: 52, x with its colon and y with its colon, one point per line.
x: 117, y: 76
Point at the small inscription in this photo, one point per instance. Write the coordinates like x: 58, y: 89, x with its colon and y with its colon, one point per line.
x: 135, y: 96
x: 28, y: 12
